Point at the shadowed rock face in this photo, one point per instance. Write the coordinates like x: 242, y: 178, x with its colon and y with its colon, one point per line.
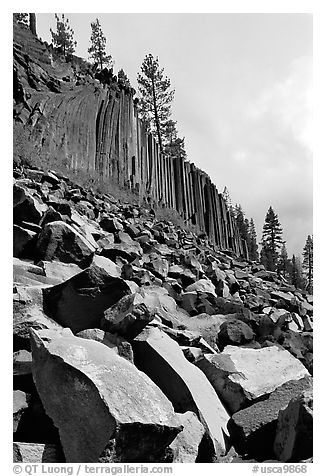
x: 125, y: 416
x: 294, y: 433
x: 79, y: 303
x: 253, y: 429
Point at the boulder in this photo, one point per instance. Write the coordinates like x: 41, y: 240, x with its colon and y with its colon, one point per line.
x: 129, y: 316
x: 28, y: 313
x: 202, y: 285
x: 109, y: 266
x: 294, y: 433
x: 111, y: 225
x: 58, y: 272
x: 37, y: 453
x: 158, y: 266
x: 234, y: 332
x: 187, y: 388
x: 79, y: 302
x: 186, y: 276
x: 119, y: 345
x: 205, y: 325
x: 26, y: 207
x: 253, y: 429
x: 105, y: 409
x: 20, y: 404
x: 23, y: 241
x: 186, y: 444
x: 22, y: 363
x: 126, y: 251
x: 241, y: 376
x: 62, y: 242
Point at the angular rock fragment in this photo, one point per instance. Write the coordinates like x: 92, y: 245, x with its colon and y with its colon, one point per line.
x: 23, y: 241
x: 253, y: 429
x: 105, y: 409
x: 26, y: 207
x: 114, y: 342
x: 240, y: 376
x: 60, y: 241
x: 58, y: 272
x: 37, y: 453
x: 202, y: 285
x: 186, y: 444
x: 185, y: 386
x: 79, y: 303
x: 28, y: 313
x: 234, y: 332
x: 294, y: 433
x: 109, y: 266
x: 19, y: 406
x: 129, y: 316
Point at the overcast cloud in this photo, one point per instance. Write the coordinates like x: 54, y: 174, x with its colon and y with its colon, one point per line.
x: 243, y: 99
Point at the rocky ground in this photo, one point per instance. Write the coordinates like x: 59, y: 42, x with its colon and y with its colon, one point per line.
x: 137, y: 341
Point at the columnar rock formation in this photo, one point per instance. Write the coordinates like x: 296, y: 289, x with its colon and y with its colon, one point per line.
x: 93, y: 125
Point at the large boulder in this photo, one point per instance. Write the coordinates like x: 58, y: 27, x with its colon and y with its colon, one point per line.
x: 294, y: 433
x: 187, y: 388
x: 241, y: 376
x: 105, y: 409
x: 253, y: 429
x: 57, y: 272
x: 79, y: 303
x: 60, y: 241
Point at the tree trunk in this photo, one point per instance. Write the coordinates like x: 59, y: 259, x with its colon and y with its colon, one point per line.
x: 157, y: 122
x: 32, y: 23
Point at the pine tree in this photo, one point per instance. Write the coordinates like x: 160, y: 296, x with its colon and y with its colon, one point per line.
x: 32, y: 23
x: 283, y: 262
x: 21, y: 18
x: 123, y: 78
x: 271, y: 240
x: 228, y: 201
x: 173, y: 145
x: 296, y: 272
x: 308, y: 263
x: 155, y: 97
x: 252, y: 244
x: 242, y: 223
x: 97, y: 49
x: 63, y: 38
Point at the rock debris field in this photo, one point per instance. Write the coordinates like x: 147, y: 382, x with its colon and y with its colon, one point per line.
x: 137, y: 341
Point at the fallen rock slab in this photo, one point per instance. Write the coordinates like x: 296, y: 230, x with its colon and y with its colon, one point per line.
x: 105, y: 409
x: 37, y: 453
x: 79, y: 303
x: 253, y: 429
x: 294, y: 433
x: 240, y: 376
x: 186, y: 386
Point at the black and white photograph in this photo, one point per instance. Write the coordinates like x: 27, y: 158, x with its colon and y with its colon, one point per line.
x: 162, y: 241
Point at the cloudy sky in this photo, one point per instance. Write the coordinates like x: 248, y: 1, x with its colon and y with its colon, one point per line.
x: 243, y: 99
